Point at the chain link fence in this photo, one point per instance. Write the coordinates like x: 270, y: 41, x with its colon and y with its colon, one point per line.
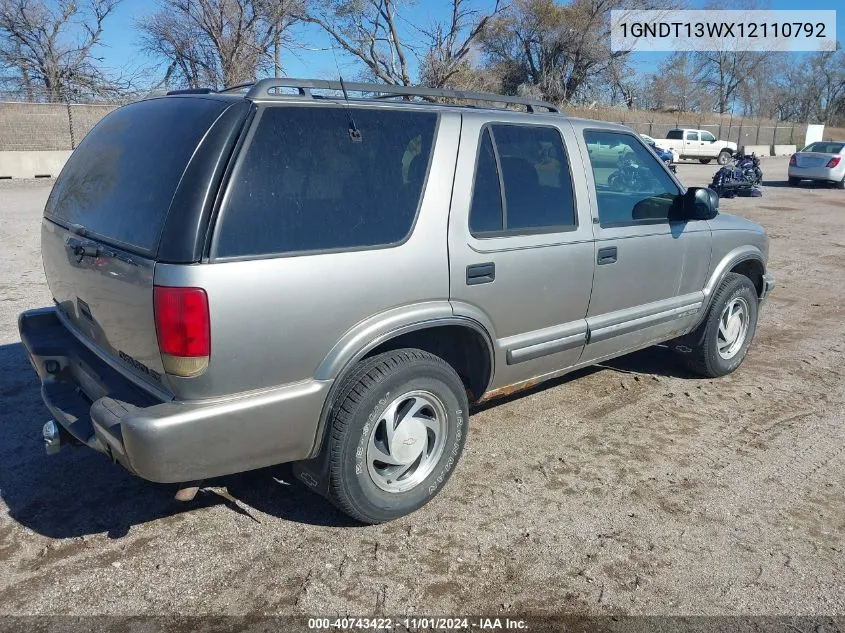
x: 37, y: 120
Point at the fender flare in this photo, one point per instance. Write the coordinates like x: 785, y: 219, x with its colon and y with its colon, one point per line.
x: 725, y: 265
x: 337, y: 366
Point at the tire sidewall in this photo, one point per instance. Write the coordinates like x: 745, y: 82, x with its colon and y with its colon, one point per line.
x: 423, y: 375
x: 741, y: 287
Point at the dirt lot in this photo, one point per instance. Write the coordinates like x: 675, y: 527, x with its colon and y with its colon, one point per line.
x: 630, y: 488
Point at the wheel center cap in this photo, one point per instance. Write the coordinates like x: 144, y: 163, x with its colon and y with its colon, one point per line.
x: 408, y: 441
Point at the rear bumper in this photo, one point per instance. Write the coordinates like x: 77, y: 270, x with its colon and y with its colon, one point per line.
x: 166, y: 441
x: 817, y: 173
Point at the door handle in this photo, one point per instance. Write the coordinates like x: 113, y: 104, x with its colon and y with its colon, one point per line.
x: 481, y: 273
x: 606, y: 255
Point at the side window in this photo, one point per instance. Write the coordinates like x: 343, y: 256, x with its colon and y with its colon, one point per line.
x: 636, y: 189
x: 675, y: 135
x: 692, y: 136
x: 306, y: 185
x: 706, y: 136
x: 533, y: 171
x: 485, y: 215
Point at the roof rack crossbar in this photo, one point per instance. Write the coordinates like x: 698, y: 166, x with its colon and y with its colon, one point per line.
x: 261, y: 90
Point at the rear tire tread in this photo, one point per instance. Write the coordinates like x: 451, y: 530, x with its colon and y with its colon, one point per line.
x: 364, y: 378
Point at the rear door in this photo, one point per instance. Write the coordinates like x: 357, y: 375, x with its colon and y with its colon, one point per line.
x: 104, y: 220
x: 692, y: 144
x: 520, y: 243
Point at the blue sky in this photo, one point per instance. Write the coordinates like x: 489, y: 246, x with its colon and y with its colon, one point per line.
x: 120, y: 42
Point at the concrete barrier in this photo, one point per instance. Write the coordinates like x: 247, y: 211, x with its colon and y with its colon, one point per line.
x: 32, y: 164
x: 784, y: 150
x: 760, y: 150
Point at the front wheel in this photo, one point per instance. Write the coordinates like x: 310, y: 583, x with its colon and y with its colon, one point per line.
x: 397, y: 432
x: 721, y: 341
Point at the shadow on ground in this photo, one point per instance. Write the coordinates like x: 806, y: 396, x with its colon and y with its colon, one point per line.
x: 79, y: 492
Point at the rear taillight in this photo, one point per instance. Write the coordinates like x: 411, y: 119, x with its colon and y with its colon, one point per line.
x: 792, y: 160
x: 833, y: 162
x: 183, y: 329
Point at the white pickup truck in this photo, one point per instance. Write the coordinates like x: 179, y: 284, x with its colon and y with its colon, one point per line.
x: 698, y: 144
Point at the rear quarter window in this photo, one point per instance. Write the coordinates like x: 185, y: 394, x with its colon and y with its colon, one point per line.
x: 119, y: 183
x: 305, y: 184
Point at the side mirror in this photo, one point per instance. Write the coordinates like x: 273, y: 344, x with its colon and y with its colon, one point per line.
x: 700, y: 203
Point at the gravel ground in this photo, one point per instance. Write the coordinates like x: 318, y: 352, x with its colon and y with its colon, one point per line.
x: 627, y: 488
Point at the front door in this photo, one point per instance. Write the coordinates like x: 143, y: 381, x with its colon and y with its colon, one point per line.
x: 521, y: 244
x: 650, y: 270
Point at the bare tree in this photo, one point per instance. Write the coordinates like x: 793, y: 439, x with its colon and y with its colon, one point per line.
x: 38, y: 47
x: 217, y: 43
x: 557, y: 48
x: 448, y: 45
x: 725, y: 72
x: 367, y: 30
x: 370, y: 31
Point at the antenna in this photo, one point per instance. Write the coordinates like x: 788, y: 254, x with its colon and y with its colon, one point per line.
x: 354, y: 132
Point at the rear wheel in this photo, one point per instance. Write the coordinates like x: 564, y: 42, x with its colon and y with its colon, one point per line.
x: 840, y: 184
x: 724, y: 157
x: 793, y: 182
x: 722, y: 340
x: 705, y: 161
x: 397, y: 432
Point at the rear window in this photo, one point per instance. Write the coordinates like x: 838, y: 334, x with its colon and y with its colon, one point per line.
x: 119, y: 182
x: 824, y: 147
x: 307, y: 183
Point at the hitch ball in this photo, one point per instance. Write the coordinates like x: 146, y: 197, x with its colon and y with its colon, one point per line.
x: 52, y: 437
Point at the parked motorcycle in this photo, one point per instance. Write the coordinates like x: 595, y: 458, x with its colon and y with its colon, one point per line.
x: 750, y: 167
x: 742, y: 176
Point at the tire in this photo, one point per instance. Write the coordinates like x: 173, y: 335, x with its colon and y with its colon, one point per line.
x: 383, y: 390
x: 840, y: 184
x: 793, y: 182
x: 705, y: 161
x: 724, y: 157
x: 704, y: 356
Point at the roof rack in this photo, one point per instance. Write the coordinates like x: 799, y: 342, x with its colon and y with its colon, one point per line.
x: 262, y: 90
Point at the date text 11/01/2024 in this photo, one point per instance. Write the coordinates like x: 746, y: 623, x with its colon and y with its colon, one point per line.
x: 413, y: 624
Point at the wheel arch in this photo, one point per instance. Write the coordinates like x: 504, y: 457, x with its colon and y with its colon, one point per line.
x: 461, y: 341
x: 746, y: 260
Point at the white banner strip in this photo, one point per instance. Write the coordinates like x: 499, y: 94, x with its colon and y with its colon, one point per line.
x: 706, y: 30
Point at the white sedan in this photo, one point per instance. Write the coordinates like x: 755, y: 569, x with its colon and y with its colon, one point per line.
x: 822, y: 160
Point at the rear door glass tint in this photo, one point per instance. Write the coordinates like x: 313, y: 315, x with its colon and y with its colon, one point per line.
x: 121, y: 179
x: 535, y: 173
x: 306, y: 183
